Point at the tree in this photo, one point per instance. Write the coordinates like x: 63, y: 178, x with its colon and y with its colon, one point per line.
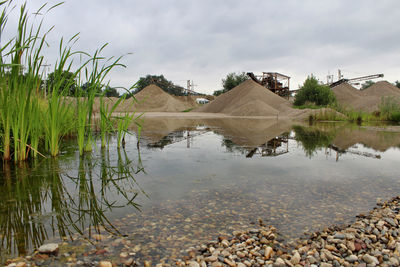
x: 63, y: 82
x: 232, y: 80
x: 397, y: 84
x: 367, y: 84
x: 161, y: 82
x: 218, y: 92
x: 314, y: 92
x: 111, y: 92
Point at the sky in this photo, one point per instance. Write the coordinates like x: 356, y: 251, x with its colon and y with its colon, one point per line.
x: 204, y: 40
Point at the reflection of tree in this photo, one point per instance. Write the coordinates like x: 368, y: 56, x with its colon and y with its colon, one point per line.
x: 312, y: 139
x: 70, y: 203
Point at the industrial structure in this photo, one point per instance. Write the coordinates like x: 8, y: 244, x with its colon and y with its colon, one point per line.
x: 276, y: 82
x: 353, y: 81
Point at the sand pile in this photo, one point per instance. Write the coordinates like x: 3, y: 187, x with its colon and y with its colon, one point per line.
x: 346, y: 94
x: 248, y: 99
x: 382, y: 88
x: 153, y: 98
x: 365, y: 100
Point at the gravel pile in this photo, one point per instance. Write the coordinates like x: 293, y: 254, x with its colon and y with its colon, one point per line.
x: 372, y: 240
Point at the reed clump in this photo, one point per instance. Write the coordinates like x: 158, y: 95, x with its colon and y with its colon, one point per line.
x: 33, y: 122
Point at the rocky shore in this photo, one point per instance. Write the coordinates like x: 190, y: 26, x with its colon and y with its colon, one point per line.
x: 372, y: 240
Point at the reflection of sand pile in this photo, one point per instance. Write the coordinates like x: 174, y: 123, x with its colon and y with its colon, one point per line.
x: 153, y: 98
x: 250, y: 132
x: 248, y: 99
x: 368, y: 99
x: 154, y: 129
x: 244, y: 132
x: 380, y: 141
x: 347, y: 135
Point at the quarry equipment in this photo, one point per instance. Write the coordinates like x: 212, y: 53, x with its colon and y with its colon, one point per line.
x: 356, y: 81
x: 276, y: 82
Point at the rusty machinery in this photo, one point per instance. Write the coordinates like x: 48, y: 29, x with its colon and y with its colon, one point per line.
x: 355, y: 81
x: 274, y: 81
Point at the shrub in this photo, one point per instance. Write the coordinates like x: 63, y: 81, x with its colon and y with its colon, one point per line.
x: 314, y: 92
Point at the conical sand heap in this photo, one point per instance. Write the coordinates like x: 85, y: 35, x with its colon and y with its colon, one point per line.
x: 153, y: 98
x: 248, y: 99
x: 368, y: 99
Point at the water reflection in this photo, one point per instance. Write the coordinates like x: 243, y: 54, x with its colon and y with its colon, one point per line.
x: 196, y: 193
x: 276, y: 146
x: 41, y: 200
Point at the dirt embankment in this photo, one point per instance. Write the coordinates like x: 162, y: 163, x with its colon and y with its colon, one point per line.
x: 366, y: 100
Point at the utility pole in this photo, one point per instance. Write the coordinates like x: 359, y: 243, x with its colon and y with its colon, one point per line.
x: 188, y: 87
x: 339, y: 75
x: 45, y: 66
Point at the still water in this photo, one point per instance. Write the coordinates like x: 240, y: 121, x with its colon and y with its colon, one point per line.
x: 188, y: 181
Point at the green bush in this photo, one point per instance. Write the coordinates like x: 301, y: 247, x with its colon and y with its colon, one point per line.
x: 313, y: 92
x: 395, y: 116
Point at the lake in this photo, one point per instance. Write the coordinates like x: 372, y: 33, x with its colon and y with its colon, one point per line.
x: 190, y: 180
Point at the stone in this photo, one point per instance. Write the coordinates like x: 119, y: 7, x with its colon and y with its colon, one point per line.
x: 370, y: 259
x: 295, y: 258
x: 268, y: 252
x: 240, y: 265
x: 225, y: 243
x: 147, y: 264
x: 211, y: 258
x: 230, y: 263
x: 128, y: 262
x: 99, y: 237
x: 351, y: 246
x: 48, y: 248
x: 279, y: 263
x: 394, y: 261
x: 21, y: 264
x: 324, y: 264
x: 105, y: 264
x: 311, y: 259
x: 194, y: 264
x: 351, y: 258
x: 390, y: 221
x: 123, y: 255
x: 240, y: 254
x: 339, y: 236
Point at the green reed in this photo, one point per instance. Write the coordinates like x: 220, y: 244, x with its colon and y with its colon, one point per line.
x: 30, y: 123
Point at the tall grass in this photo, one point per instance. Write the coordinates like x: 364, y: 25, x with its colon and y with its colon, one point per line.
x: 106, y: 121
x: 390, y: 108
x: 29, y: 127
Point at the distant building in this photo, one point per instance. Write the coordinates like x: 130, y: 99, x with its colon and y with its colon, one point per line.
x: 202, y: 101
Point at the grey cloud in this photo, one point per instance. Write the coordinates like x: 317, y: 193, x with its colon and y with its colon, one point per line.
x: 204, y: 40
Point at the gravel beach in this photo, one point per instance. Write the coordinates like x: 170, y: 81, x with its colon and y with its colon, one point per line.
x: 372, y: 240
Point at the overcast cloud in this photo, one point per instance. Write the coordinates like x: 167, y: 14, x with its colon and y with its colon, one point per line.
x: 203, y: 40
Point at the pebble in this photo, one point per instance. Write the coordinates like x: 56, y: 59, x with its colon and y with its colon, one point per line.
x: 193, y: 264
x: 105, y: 264
x: 48, y: 248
